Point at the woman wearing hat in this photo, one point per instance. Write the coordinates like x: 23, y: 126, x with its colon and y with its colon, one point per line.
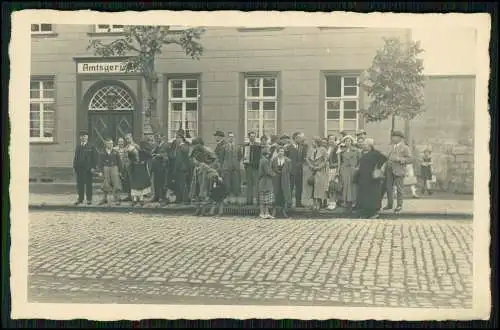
x: 349, y: 163
x: 319, y: 165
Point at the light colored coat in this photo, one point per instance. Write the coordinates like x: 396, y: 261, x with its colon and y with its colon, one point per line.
x: 398, y: 157
x: 319, y: 164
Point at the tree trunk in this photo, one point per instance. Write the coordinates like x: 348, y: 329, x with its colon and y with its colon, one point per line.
x: 152, y: 120
x: 393, y: 126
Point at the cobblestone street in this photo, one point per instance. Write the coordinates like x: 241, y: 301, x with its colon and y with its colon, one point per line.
x: 132, y: 258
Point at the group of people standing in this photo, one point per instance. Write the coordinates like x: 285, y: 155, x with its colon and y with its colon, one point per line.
x: 340, y: 170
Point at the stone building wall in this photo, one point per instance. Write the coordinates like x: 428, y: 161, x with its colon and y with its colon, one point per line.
x: 447, y: 128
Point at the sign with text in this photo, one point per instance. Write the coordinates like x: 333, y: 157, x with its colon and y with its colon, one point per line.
x: 107, y: 67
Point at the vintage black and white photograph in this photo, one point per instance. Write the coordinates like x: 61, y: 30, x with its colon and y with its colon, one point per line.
x: 213, y: 163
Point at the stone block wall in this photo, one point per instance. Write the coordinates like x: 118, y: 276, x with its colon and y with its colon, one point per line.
x: 453, y: 166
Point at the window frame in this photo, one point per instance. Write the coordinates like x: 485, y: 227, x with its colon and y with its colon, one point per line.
x: 261, y: 99
x: 342, y: 98
x: 184, y: 100
x: 40, y: 32
x: 42, y: 101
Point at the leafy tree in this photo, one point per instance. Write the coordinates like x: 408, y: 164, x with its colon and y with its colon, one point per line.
x: 142, y: 44
x: 395, y: 82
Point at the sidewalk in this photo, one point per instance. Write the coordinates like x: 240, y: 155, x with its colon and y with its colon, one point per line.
x: 413, y: 208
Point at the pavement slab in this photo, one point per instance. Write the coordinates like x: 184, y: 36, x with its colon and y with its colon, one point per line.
x: 135, y: 258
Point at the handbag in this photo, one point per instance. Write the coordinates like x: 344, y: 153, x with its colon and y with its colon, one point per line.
x: 311, y: 179
x: 410, y: 180
x: 377, y: 173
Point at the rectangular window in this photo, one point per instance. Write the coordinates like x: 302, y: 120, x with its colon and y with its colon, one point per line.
x: 261, y: 105
x: 41, y: 28
x: 103, y: 28
x: 42, y: 110
x: 183, y: 106
x: 341, y: 103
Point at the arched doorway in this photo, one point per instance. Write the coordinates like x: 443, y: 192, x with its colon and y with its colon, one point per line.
x: 110, y: 113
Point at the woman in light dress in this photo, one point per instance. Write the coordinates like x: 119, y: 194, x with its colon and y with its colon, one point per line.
x: 319, y: 165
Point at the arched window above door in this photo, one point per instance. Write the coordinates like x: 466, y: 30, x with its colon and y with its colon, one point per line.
x: 111, y: 97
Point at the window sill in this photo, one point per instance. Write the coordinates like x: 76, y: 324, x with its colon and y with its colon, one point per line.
x: 34, y: 140
x: 44, y: 35
x: 106, y: 34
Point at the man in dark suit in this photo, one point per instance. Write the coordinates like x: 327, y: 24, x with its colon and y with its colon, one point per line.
x: 399, y: 156
x: 297, y: 152
x: 250, y: 154
x: 84, y: 164
x: 159, y: 169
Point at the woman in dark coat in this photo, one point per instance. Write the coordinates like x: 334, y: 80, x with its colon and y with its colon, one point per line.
x: 370, y: 186
x: 140, y: 181
x: 281, y: 166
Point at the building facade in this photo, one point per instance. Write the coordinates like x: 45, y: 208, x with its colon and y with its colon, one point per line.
x: 267, y: 80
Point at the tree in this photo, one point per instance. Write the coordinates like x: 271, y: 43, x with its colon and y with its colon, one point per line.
x: 141, y: 45
x: 395, y: 82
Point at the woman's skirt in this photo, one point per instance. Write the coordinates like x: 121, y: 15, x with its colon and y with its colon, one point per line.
x: 112, y: 182
x: 321, y: 184
x: 426, y: 173
x: 347, y: 182
x: 266, y: 197
x: 140, y: 183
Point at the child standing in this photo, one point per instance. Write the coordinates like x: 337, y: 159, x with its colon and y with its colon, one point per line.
x: 217, y: 190
x: 426, y: 171
x: 265, y: 184
x: 110, y: 165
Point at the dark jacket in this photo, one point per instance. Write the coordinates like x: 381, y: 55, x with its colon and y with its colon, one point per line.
x: 180, y: 157
x: 85, y: 158
x: 109, y: 160
x: 160, y: 157
x: 255, y: 154
x: 298, y: 156
x: 333, y: 158
x: 220, y: 151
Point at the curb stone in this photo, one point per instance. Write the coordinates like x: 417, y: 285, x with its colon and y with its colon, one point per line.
x: 243, y: 211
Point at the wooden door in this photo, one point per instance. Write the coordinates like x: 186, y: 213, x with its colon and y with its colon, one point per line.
x: 109, y: 124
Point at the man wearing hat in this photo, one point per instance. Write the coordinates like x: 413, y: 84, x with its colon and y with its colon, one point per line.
x: 84, y: 164
x: 220, y: 148
x: 399, y: 156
